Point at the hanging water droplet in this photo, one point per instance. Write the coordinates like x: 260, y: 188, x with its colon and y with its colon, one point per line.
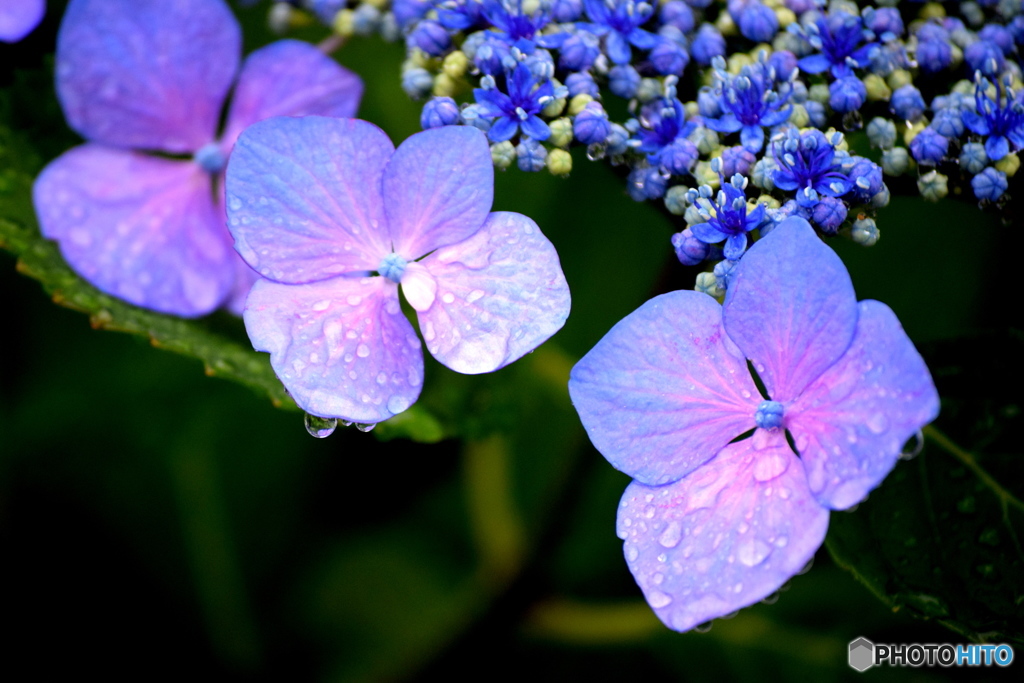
x: 657, y: 599
x: 366, y: 427
x: 703, y: 628
x: 320, y: 427
x: 596, y: 151
x: 912, y: 447
x: 807, y: 567
x: 771, y: 599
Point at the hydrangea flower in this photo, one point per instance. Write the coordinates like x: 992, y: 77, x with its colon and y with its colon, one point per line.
x: 712, y: 524
x: 148, y: 75
x: 519, y: 108
x: 1001, y: 121
x: 335, y: 218
x: 750, y: 102
x: 839, y: 36
x: 18, y: 18
x: 726, y: 219
x: 809, y: 166
x: 619, y: 22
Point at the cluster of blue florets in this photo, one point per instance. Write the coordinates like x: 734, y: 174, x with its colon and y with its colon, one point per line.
x: 734, y: 114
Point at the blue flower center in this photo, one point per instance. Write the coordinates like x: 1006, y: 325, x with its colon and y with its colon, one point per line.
x: 392, y: 267
x: 210, y: 158
x: 769, y: 415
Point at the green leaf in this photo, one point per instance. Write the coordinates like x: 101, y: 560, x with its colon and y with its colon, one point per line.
x: 942, y: 537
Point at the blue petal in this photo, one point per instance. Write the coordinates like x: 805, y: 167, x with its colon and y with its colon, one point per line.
x: 752, y: 138
x: 535, y: 128
x: 997, y: 147
x: 617, y: 48
x: 503, y: 129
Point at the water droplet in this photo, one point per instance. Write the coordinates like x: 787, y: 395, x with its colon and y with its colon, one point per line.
x: 354, y: 299
x: 632, y: 553
x: 475, y: 295
x: 670, y: 537
x: 320, y: 427
x: 703, y: 628
x: 657, y: 599
x: 397, y: 404
x: 738, y: 588
x: 878, y: 423
x: 781, y: 542
x: 806, y: 567
x: 366, y: 427
x: 770, y: 466
x: 362, y: 350
x: 912, y: 447
x: 382, y: 378
x: 753, y: 552
x: 771, y: 599
x: 448, y: 297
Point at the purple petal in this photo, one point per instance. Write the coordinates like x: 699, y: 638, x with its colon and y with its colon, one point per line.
x: 975, y: 122
x: 141, y: 228
x: 727, y: 123
x: 146, y: 74
x: 665, y: 389
x: 304, y: 199
x: 290, y: 78
x: 725, y: 536
x: 500, y: 294
x: 438, y: 189
x: 342, y: 347
x: 850, y: 424
x: 791, y: 308
x: 19, y: 17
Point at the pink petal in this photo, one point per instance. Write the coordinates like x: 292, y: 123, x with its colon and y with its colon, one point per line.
x: 304, y: 200
x: 141, y: 228
x: 438, y: 189
x: 147, y: 74
x: 342, y: 347
x: 290, y: 78
x: 665, y: 389
x: 852, y: 422
x: 790, y: 308
x: 723, y: 537
x: 500, y: 294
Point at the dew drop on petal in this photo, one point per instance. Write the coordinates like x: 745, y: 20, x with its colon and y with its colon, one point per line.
x: 878, y: 423
x: 670, y: 537
x: 913, y: 446
x: 320, y: 427
x: 632, y: 552
x: 362, y: 350
x: 397, y: 404
x: 366, y: 427
x: 657, y: 599
x: 752, y: 552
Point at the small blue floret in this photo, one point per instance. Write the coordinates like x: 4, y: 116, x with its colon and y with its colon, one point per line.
x: 769, y: 415
x: 210, y: 158
x: 392, y: 267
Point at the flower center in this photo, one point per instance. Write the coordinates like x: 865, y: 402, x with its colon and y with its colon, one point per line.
x: 393, y: 267
x: 769, y: 415
x: 210, y: 158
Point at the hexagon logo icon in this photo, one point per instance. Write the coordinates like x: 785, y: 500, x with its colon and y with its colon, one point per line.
x: 862, y: 654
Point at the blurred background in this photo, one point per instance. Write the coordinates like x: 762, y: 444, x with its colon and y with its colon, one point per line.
x: 156, y: 523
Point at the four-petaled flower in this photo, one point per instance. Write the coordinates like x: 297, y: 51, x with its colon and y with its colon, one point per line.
x: 713, y: 523
x: 318, y: 205
x: 149, y: 75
